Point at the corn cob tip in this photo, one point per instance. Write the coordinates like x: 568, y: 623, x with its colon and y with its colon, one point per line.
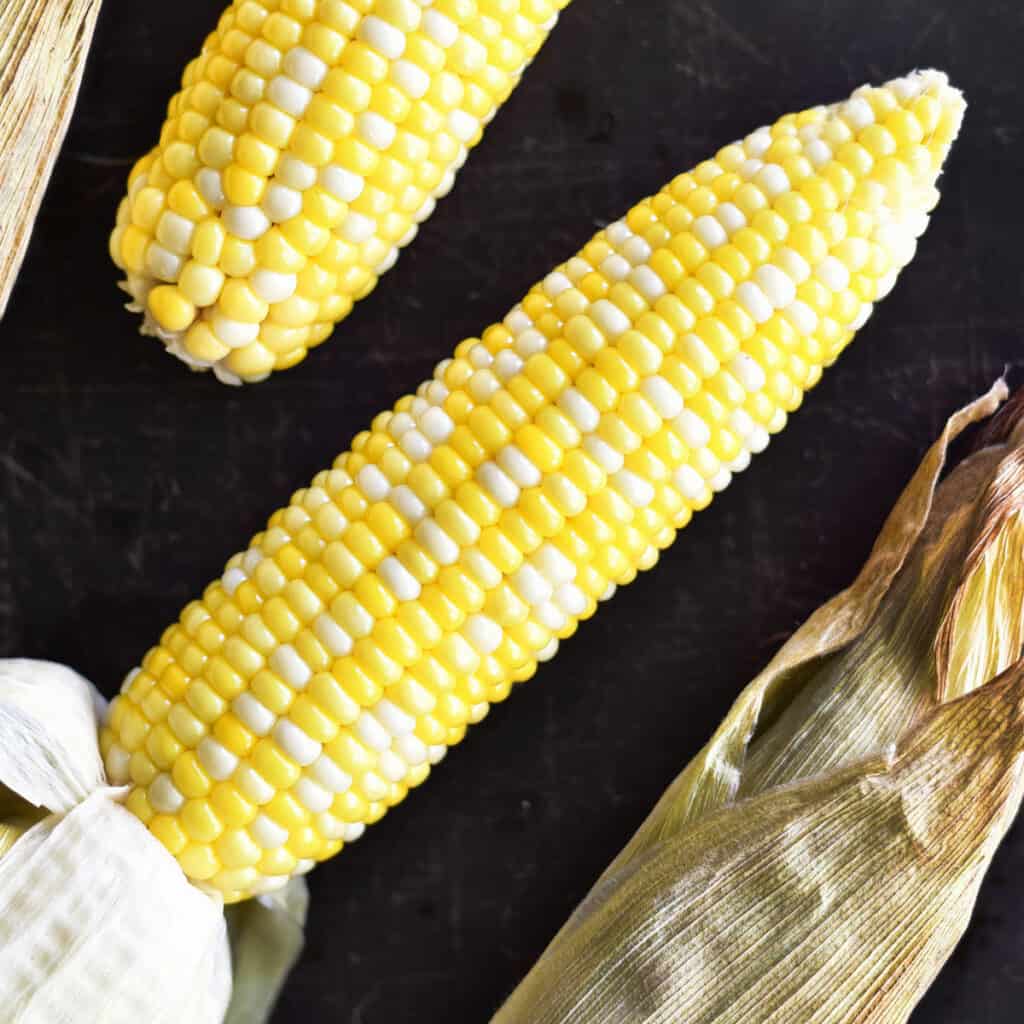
x: 472, y: 527
x: 934, y: 83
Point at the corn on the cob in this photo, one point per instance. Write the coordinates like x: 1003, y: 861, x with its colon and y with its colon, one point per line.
x: 309, y: 140
x: 471, y: 528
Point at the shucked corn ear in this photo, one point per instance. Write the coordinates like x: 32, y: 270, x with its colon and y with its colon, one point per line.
x: 471, y: 528
x: 309, y: 140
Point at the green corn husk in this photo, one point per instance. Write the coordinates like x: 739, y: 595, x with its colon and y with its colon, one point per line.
x: 818, y: 861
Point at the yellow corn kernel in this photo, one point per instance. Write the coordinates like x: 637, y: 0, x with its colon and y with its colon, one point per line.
x: 238, y: 258
x: 198, y: 861
x: 189, y: 776
x: 199, y: 821
x: 200, y: 284
x: 274, y: 252
x: 180, y: 160
x: 132, y: 249
x: 238, y: 302
x: 242, y: 187
x: 147, y: 206
x: 208, y: 242
x: 170, y: 308
x: 202, y: 344
x: 252, y: 361
x: 184, y: 199
x: 169, y: 832
x: 235, y: 849
x: 141, y: 769
x: 233, y: 809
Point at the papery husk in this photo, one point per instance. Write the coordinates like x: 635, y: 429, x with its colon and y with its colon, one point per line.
x: 835, y: 899
x: 267, y: 935
x: 43, y: 46
x: 934, y: 614
x: 97, y: 920
x: 48, y: 752
x: 17, y: 816
x: 97, y: 923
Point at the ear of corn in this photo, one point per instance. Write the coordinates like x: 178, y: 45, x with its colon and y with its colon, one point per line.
x: 473, y: 526
x: 309, y: 141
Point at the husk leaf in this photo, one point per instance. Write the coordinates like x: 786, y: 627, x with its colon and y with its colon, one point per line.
x: 836, y: 899
x: 824, y: 850
x: 267, y: 935
x: 97, y: 923
x: 48, y: 721
x: 43, y: 46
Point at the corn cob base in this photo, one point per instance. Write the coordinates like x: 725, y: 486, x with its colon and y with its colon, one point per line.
x: 309, y: 141
x: 471, y: 528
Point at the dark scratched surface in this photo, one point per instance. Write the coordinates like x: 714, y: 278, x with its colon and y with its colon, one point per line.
x: 125, y: 481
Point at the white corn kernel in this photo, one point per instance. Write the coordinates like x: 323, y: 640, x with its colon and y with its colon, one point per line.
x: 341, y: 183
x: 285, y: 661
x: 398, y: 579
x: 218, y: 761
x: 272, y: 286
x: 164, y: 796
x: 288, y: 95
x: 248, y: 222
x: 382, y: 37
x: 326, y: 771
x: 306, y: 68
x: 314, y: 798
x: 257, y: 718
x: 267, y: 833
x: 298, y: 745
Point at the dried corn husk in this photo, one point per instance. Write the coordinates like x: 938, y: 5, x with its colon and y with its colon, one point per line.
x: 97, y: 921
x: 819, y: 859
x: 43, y: 46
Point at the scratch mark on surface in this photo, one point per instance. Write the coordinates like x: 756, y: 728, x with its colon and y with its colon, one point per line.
x: 19, y: 473
x: 926, y: 31
x: 709, y: 81
x: 99, y: 159
x: 732, y: 34
x: 455, y: 900
x: 357, y: 1011
x: 7, y: 609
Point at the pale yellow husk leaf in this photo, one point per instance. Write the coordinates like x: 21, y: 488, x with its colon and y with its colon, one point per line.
x: 97, y: 921
x: 43, y: 46
x: 818, y: 861
x: 267, y: 935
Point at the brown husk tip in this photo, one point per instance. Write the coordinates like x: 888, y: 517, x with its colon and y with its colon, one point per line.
x: 1005, y: 423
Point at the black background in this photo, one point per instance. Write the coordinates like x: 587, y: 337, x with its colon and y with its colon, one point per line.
x: 125, y: 481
